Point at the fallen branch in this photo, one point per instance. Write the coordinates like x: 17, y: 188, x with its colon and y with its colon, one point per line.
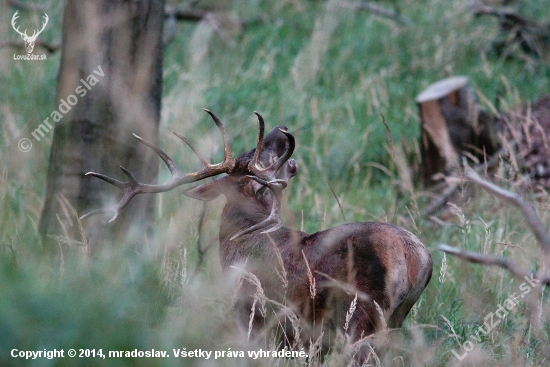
x: 491, y: 260
x: 526, y: 208
x: 533, y: 220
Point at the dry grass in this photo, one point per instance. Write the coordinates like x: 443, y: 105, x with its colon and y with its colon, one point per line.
x: 326, y: 72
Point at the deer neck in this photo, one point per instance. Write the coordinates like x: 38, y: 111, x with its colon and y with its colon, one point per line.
x: 238, y: 215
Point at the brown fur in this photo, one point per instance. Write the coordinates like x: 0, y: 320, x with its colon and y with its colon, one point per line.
x: 381, y: 265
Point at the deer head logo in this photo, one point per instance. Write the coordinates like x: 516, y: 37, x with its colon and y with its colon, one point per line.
x: 29, y: 40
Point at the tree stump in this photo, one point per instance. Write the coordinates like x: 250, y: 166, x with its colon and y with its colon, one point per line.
x: 450, y: 126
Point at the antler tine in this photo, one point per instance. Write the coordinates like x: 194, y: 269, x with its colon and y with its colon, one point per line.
x: 165, y: 158
x: 254, y: 165
x: 133, y: 187
x: 288, y: 153
x: 98, y: 211
x: 127, y: 189
x: 193, y: 148
x: 225, y: 137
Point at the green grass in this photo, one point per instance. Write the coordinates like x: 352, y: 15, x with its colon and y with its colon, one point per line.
x: 118, y: 299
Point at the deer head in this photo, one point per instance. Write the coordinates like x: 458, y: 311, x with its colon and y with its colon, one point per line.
x: 255, y: 184
x: 29, y: 40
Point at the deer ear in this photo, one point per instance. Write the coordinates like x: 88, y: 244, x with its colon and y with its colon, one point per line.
x: 206, y: 191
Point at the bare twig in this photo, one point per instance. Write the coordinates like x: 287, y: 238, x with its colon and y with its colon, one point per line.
x: 337, y: 200
x: 226, y: 26
x: 452, y: 185
x: 441, y: 199
x: 533, y: 220
x: 26, y: 6
x: 491, y: 260
x: 374, y: 8
x: 196, y: 15
x: 501, y: 14
x: 531, y: 36
x: 193, y: 15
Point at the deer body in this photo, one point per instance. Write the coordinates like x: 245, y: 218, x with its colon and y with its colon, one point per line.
x: 380, y: 262
x: 385, y: 267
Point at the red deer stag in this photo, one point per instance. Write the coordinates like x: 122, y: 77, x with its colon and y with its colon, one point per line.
x: 386, y: 266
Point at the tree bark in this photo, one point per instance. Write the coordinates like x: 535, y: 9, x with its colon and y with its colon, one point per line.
x: 123, y: 41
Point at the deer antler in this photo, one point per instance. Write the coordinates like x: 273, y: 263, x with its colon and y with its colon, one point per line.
x: 267, y: 177
x: 132, y: 187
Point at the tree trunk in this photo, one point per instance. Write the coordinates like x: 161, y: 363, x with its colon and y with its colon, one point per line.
x: 450, y: 126
x: 109, y: 86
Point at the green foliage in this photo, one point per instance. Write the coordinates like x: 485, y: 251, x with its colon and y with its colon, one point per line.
x: 327, y: 72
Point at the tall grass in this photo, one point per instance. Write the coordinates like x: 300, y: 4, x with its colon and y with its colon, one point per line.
x: 328, y: 73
